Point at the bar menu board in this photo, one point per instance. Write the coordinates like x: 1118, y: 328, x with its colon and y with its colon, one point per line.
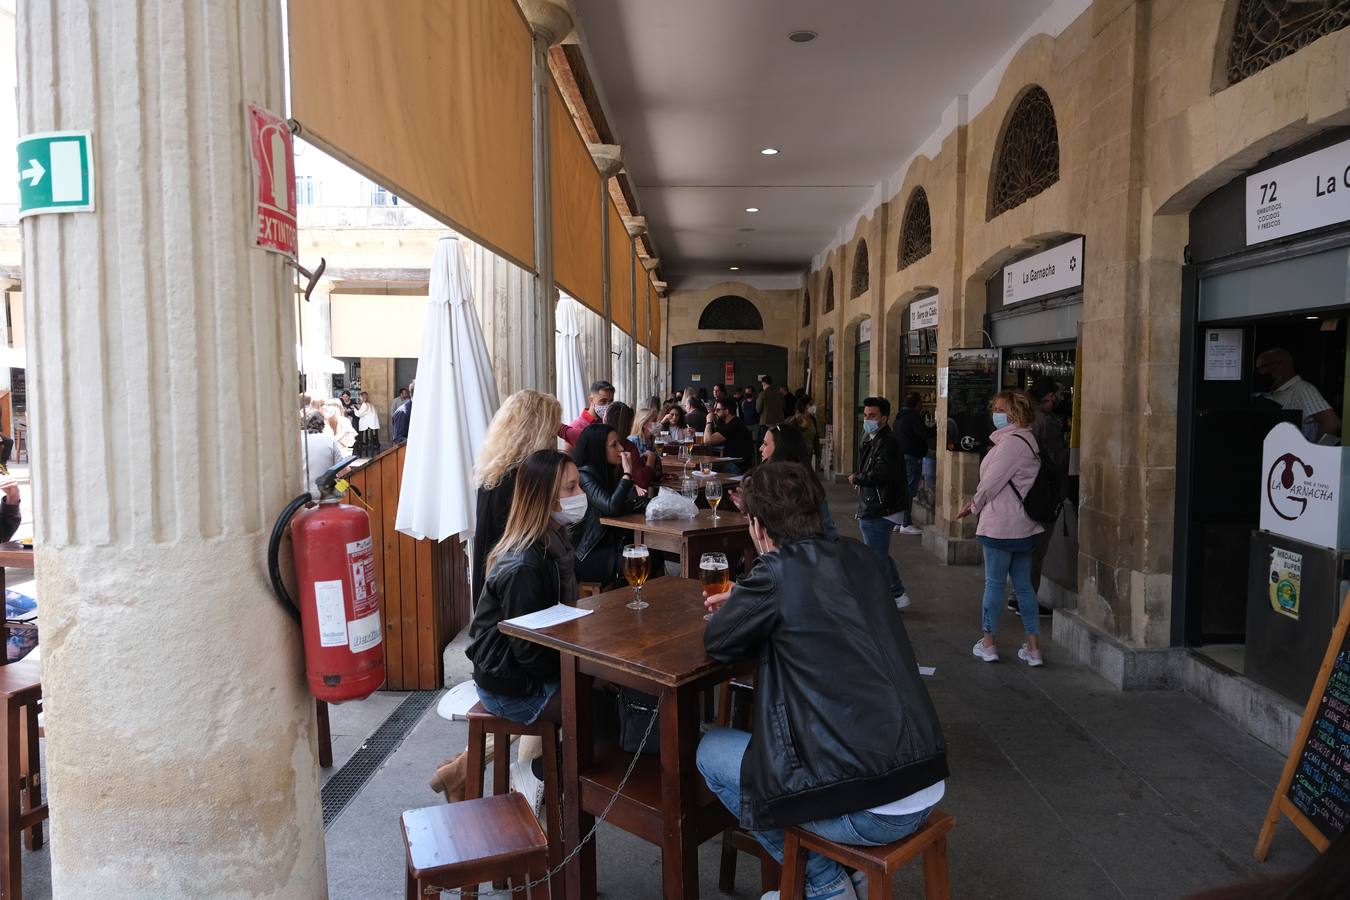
x: 1321, y: 786
x: 972, y: 382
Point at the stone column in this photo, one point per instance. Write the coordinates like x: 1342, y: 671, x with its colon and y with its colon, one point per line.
x: 608, y: 159
x: 504, y: 297
x: 317, y: 323
x: 549, y: 24
x: 636, y: 226
x: 180, y: 737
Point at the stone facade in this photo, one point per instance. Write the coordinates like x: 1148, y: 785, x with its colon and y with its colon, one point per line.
x: 1146, y: 130
x: 780, y: 310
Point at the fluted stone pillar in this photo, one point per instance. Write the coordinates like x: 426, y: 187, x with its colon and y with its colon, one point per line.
x: 504, y: 298
x: 180, y: 737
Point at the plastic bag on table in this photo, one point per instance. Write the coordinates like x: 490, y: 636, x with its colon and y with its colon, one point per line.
x: 670, y: 504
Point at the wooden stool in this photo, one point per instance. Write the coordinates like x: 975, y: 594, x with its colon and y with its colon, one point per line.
x: 461, y: 845
x: 879, y: 864
x: 481, y: 724
x: 22, y: 811
x: 735, y: 840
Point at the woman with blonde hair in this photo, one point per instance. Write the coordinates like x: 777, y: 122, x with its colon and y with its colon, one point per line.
x: 1006, y: 532
x: 648, y: 424
x: 339, y: 427
x: 525, y: 423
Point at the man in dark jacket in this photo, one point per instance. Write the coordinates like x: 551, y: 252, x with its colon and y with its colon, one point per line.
x: 845, y: 740
x: 1049, y: 434
x: 913, y: 437
x: 402, y: 420
x: 880, y: 483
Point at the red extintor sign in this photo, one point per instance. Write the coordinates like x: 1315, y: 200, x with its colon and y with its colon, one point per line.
x: 274, y: 182
x: 729, y: 372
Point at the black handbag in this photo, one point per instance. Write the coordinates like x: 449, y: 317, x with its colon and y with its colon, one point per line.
x: 637, y: 710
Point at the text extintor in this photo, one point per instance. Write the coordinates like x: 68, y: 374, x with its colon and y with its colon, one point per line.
x: 273, y: 152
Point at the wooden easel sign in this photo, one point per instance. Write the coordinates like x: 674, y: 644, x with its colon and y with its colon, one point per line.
x: 1314, y: 791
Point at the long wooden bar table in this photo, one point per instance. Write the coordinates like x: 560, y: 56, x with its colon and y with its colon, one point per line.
x: 658, y: 650
x: 691, y: 538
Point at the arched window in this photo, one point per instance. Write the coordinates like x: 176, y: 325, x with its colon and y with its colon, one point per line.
x: 916, y: 231
x: 1266, y: 31
x: 806, y: 307
x: 829, y: 290
x: 861, y: 277
x: 1028, y: 155
x: 731, y: 313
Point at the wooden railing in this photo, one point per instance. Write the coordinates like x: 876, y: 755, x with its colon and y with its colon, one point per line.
x: 424, y: 585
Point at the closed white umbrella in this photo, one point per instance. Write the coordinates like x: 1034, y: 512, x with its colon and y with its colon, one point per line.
x: 455, y: 400
x: 571, y: 383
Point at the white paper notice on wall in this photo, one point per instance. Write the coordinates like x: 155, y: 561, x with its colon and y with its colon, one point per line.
x: 332, y: 613
x: 1223, y: 354
x: 942, y: 382
x: 1306, y: 193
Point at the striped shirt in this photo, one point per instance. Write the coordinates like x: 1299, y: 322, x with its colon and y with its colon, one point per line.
x: 1299, y: 395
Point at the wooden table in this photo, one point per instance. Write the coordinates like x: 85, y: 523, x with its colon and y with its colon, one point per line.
x: 691, y: 538
x: 13, y: 555
x: 21, y: 808
x: 658, y: 650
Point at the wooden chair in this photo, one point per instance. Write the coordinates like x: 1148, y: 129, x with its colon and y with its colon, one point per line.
x: 879, y: 863
x: 462, y: 845
x: 481, y: 724
x: 22, y: 811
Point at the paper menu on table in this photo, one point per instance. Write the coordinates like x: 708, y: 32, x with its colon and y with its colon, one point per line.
x: 553, y: 615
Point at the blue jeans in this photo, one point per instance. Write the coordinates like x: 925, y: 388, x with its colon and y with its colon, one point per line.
x: 719, y: 759
x: 1004, y: 558
x: 913, y: 475
x: 525, y: 710
x: 876, y: 534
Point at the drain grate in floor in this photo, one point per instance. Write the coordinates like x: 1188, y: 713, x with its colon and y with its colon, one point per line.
x: 347, y: 781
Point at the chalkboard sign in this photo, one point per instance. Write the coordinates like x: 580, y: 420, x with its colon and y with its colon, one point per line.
x: 972, y: 382
x: 1314, y: 792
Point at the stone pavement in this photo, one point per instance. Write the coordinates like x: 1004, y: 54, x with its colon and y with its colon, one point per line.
x: 1062, y: 786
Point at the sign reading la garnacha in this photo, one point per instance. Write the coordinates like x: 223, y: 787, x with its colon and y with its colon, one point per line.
x: 1310, y: 192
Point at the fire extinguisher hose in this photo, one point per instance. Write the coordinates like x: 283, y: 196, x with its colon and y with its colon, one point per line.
x: 273, y: 550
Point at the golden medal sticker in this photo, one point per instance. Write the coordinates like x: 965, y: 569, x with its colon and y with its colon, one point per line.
x: 1286, y: 581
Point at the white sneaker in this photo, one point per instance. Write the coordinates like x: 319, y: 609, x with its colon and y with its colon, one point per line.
x: 1030, y: 657
x: 908, y: 529
x: 988, y: 654
x: 902, y: 601
x: 523, y: 781
x: 845, y: 891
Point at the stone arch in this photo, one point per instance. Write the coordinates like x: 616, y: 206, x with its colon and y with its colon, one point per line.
x: 829, y: 289
x: 730, y: 312
x: 1027, y: 161
x: 862, y: 277
x: 916, y: 230
x: 1256, y: 34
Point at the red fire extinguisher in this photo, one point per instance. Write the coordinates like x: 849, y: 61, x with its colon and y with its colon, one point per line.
x: 339, y: 608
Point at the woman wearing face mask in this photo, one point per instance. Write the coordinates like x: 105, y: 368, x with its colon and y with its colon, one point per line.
x: 784, y: 443
x: 805, y: 421
x: 1006, y: 532
x: 607, y: 479
x: 530, y: 568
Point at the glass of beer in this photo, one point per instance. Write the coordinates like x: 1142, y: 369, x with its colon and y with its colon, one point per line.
x: 713, y: 492
x: 637, y: 568
x: 715, y: 574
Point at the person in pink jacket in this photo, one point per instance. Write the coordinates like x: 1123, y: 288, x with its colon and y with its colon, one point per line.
x: 1006, y: 532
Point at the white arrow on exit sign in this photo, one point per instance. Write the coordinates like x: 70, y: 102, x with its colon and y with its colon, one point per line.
x: 56, y: 172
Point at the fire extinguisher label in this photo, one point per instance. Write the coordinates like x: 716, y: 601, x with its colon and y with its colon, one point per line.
x: 364, y: 633
x: 361, y: 559
x: 332, y: 613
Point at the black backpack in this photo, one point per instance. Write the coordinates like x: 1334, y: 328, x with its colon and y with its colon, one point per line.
x: 1046, y: 496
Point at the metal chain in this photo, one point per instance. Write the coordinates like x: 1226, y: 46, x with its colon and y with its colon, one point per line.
x: 435, y: 891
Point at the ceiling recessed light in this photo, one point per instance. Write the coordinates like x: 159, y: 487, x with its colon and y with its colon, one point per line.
x: 802, y: 37
x: 769, y: 151
x: 735, y: 268
x: 752, y: 209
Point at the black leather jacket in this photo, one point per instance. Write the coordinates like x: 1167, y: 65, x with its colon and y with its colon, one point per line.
x: 519, y: 583
x: 620, y: 500
x: 842, y: 721
x: 880, y: 479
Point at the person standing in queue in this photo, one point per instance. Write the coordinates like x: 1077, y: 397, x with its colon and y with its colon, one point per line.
x: 607, y: 479
x: 913, y: 437
x: 768, y: 405
x: 805, y: 422
x: 880, y: 483
x: 845, y: 741
x: 749, y: 409
x: 1054, y: 450
x: 368, y: 423
x: 402, y: 418
x: 726, y: 430
x: 1006, y: 532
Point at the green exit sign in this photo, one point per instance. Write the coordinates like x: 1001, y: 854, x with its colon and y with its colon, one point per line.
x: 56, y: 173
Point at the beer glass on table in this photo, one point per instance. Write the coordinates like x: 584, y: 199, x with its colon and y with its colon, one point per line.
x: 713, y: 492
x: 636, y: 568
x: 715, y: 574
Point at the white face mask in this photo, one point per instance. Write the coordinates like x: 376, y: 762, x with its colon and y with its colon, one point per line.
x: 573, y: 509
